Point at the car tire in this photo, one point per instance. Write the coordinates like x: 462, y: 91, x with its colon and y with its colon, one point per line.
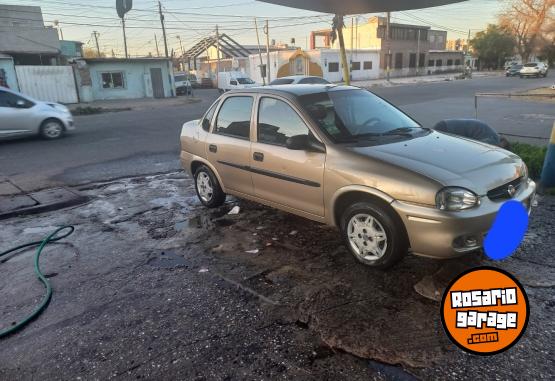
x: 52, y: 129
x: 208, y: 188
x: 374, y: 228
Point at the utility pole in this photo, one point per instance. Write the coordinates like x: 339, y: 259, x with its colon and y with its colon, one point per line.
x: 163, y: 28
x: 156, y: 42
x: 418, y: 53
x: 182, y: 52
x: 96, y: 34
x: 267, y: 31
x: 217, y: 56
x: 263, y: 75
x: 352, y: 36
x: 388, y: 46
x: 124, y: 37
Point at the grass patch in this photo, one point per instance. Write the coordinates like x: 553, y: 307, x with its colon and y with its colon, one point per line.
x: 533, y: 156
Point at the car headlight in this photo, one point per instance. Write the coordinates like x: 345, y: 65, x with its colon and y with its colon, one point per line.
x: 455, y: 198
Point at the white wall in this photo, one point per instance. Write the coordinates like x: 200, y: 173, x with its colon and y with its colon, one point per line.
x: 332, y: 56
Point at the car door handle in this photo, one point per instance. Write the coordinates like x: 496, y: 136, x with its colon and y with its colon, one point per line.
x: 213, y: 148
x: 258, y: 156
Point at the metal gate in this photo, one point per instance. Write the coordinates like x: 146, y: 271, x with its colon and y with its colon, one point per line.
x: 157, y: 83
x: 48, y: 83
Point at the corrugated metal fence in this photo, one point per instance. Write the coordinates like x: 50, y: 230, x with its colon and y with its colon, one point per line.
x: 48, y: 83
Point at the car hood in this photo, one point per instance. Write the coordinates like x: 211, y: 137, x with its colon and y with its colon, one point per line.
x: 451, y: 161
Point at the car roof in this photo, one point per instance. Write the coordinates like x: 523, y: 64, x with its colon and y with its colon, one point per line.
x: 299, y: 76
x: 295, y: 90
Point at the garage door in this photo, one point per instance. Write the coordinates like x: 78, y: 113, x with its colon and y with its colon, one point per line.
x: 47, y: 83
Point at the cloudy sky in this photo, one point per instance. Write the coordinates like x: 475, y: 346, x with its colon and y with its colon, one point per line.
x: 194, y: 19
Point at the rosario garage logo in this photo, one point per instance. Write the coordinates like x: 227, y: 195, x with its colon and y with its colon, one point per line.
x: 485, y: 311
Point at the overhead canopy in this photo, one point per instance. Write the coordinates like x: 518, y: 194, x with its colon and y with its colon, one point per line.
x: 348, y: 7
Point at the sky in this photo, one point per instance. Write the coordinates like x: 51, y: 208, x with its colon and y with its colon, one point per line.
x: 191, y: 20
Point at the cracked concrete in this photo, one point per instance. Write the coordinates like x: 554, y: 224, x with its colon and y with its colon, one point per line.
x: 153, y: 285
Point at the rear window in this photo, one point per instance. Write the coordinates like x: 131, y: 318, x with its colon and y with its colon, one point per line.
x: 531, y: 65
x: 282, y: 81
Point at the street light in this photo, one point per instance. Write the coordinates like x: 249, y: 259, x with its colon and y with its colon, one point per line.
x: 346, y: 7
x: 182, y: 52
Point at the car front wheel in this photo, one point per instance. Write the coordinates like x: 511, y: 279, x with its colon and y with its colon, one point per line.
x: 51, y: 129
x: 373, y: 235
x: 208, y: 188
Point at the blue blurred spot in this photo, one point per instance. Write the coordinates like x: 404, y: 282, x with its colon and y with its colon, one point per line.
x: 507, y: 231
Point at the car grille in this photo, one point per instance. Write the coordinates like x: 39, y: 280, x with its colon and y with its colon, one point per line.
x: 502, y: 192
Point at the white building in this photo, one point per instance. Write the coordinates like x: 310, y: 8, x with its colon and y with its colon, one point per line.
x: 324, y: 63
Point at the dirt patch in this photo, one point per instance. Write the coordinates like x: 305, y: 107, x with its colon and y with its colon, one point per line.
x: 542, y: 94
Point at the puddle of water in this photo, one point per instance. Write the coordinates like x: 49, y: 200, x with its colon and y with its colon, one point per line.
x: 392, y: 373
x: 167, y: 260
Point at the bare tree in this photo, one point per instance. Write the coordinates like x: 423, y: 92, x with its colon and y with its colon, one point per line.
x: 530, y: 22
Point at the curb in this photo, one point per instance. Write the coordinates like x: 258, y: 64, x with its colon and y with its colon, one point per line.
x: 52, y: 199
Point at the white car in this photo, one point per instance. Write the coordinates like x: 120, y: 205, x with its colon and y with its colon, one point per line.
x: 21, y: 115
x: 534, y: 69
x: 299, y: 80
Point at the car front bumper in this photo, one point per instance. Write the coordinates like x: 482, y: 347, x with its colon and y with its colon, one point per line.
x: 440, y: 234
x: 530, y: 74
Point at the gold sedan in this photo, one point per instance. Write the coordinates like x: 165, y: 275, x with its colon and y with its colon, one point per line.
x: 343, y: 156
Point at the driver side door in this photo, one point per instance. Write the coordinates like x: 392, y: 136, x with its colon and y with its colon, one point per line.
x: 292, y: 178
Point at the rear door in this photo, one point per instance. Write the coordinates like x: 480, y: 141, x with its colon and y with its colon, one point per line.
x: 229, y: 145
x: 293, y: 178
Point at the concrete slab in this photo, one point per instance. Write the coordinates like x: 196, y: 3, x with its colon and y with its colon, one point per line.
x: 7, y: 188
x: 11, y: 203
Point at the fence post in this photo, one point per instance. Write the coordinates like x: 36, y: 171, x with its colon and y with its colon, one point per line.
x: 548, y: 172
x: 475, y: 106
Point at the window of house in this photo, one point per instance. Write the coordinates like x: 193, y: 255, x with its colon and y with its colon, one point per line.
x: 457, y: 62
x: 439, y: 62
x: 367, y: 65
x: 412, y: 60
x: 113, y: 80
x: 398, y: 60
x: 422, y: 60
x: 333, y: 67
x: 355, y: 65
x: 431, y: 62
x: 234, y: 117
x: 277, y: 122
x: 449, y: 62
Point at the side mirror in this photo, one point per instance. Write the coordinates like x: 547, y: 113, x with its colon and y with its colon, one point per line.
x: 304, y: 143
x: 205, y: 124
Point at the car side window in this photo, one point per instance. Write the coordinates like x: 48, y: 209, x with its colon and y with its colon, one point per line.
x: 207, y: 120
x: 234, y: 117
x: 277, y: 121
x: 11, y: 100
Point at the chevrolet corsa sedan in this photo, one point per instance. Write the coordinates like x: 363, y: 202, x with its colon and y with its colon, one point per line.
x: 342, y: 156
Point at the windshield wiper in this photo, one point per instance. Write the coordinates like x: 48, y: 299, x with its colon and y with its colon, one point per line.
x: 402, y: 131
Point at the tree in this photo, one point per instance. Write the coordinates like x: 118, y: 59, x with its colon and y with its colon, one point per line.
x: 92, y: 53
x: 531, y: 22
x: 493, y: 46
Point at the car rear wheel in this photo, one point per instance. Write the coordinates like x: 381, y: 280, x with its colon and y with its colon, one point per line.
x: 208, y: 188
x: 51, y: 129
x: 373, y: 235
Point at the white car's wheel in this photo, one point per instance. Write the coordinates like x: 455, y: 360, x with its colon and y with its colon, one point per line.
x: 51, y: 129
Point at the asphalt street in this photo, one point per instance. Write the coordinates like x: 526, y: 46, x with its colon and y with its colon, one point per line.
x: 146, y: 141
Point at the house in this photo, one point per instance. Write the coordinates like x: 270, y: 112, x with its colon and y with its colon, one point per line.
x: 124, y: 78
x: 408, y: 51
x: 7, y: 72
x: 71, y: 49
x: 25, y: 38
x: 318, y: 62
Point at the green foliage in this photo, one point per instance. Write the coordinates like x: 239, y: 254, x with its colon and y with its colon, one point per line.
x: 493, y: 46
x: 533, y: 156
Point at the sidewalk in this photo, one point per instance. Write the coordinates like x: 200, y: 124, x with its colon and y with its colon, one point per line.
x: 400, y: 81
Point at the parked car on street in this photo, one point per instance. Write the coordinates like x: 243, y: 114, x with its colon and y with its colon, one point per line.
x: 232, y: 80
x: 534, y: 69
x: 21, y: 115
x: 343, y: 156
x: 299, y: 80
x: 513, y: 71
x: 182, y: 84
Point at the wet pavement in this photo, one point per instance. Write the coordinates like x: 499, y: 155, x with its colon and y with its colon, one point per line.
x: 152, y: 285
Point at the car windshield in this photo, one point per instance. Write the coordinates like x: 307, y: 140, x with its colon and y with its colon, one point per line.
x: 282, y: 81
x: 180, y: 78
x: 531, y: 65
x: 355, y: 115
x: 245, y: 81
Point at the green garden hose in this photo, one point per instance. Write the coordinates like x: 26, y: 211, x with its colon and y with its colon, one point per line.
x: 53, y: 237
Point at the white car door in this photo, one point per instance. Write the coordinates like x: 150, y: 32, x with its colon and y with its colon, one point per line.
x: 16, y: 115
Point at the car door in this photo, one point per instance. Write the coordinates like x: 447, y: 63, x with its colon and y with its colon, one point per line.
x: 229, y: 145
x: 16, y: 115
x: 293, y: 178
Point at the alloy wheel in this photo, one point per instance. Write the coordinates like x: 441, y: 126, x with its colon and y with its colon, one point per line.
x: 367, y: 237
